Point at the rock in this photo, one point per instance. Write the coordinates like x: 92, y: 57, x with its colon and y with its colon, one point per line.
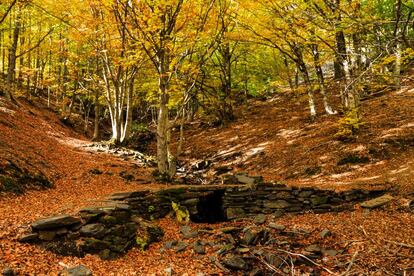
x: 147, y: 233
x: 232, y: 213
x: 235, y: 263
x: 185, y: 229
x: 105, y: 254
x: 260, y: 219
x: 168, y: 271
x: 278, y: 213
x: 318, y: 200
x: 47, y: 235
x: 95, y: 171
x: 229, y: 230
x: 199, y: 248
x: 244, y: 179
x: 377, y: 202
x: 31, y: 237
x: 55, y: 222
x: 79, y: 270
x: 94, y: 245
x: 170, y: 244
x: 279, y: 227
x: 278, y: 204
x: 225, y: 248
x: 250, y: 237
x: 329, y: 252
x: 273, y: 259
x: 305, y: 194
x: 8, y: 272
x: 181, y: 246
x: 313, y: 248
x: 325, y: 233
x: 257, y: 272
x: 187, y: 232
x: 95, y: 230
x: 243, y: 250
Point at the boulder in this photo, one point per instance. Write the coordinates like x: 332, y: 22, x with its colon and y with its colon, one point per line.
x: 55, y: 222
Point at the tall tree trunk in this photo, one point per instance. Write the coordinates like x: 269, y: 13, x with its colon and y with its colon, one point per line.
x: 321, y: 80
x: 12, y: 58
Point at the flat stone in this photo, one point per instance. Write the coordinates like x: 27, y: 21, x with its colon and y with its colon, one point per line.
x: 96, y: 230
x: 278, y: 204
x: 243, y: 250
x: 260, y: 219
x: 181, y: 246
x: 278, y: 213
x: 244, y: 179
x: 377, y: 202
x: 47, y: 235
x: 31, y: 237
x: 276, y: 226
x: 249, y: 237
x: 228, y: 230
x: 325, y: 233
x: 235, y: 263
x: 305, y: 194
x: 79, y: 270
x: 273, y: 259
x: 55, y: 222
x: 199, y: 248
x: 313, y: 248
x: 170, y: 244
x: 319, y: 200
x: 329, y: 252
x: 232, y: 213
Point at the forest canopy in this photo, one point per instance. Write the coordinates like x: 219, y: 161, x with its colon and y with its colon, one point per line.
x: 168, y: 61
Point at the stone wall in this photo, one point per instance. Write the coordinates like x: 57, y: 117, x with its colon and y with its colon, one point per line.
x: 123, y: 220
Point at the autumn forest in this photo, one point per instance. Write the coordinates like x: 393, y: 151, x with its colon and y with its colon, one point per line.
x: 215, y: 137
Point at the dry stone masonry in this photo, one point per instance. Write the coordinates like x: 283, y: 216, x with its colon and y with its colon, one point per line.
x: 124, y: 220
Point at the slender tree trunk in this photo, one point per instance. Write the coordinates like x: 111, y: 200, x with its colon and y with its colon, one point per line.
x: 96, y: 133
x: 12, y: 58
x: 321, y: 79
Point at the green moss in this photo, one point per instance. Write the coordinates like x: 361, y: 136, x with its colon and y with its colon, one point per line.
x: 142, y: 243
x: 181, y: 213
x: 109, y: 220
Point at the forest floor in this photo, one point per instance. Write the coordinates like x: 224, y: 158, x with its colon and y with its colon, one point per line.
x: 271, y: 138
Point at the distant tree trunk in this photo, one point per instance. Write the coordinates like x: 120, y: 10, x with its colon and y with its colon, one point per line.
x: 321, y: 80
x: 96, y: 132
x: 300, y: 63
x: 286, y: 63
x: 308, y: 83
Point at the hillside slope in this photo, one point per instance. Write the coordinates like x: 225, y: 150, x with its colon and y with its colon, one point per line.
x: 270, y: 138
x: 276, y: 139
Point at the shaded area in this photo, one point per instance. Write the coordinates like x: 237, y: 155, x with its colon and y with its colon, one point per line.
x: 210, y: 208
